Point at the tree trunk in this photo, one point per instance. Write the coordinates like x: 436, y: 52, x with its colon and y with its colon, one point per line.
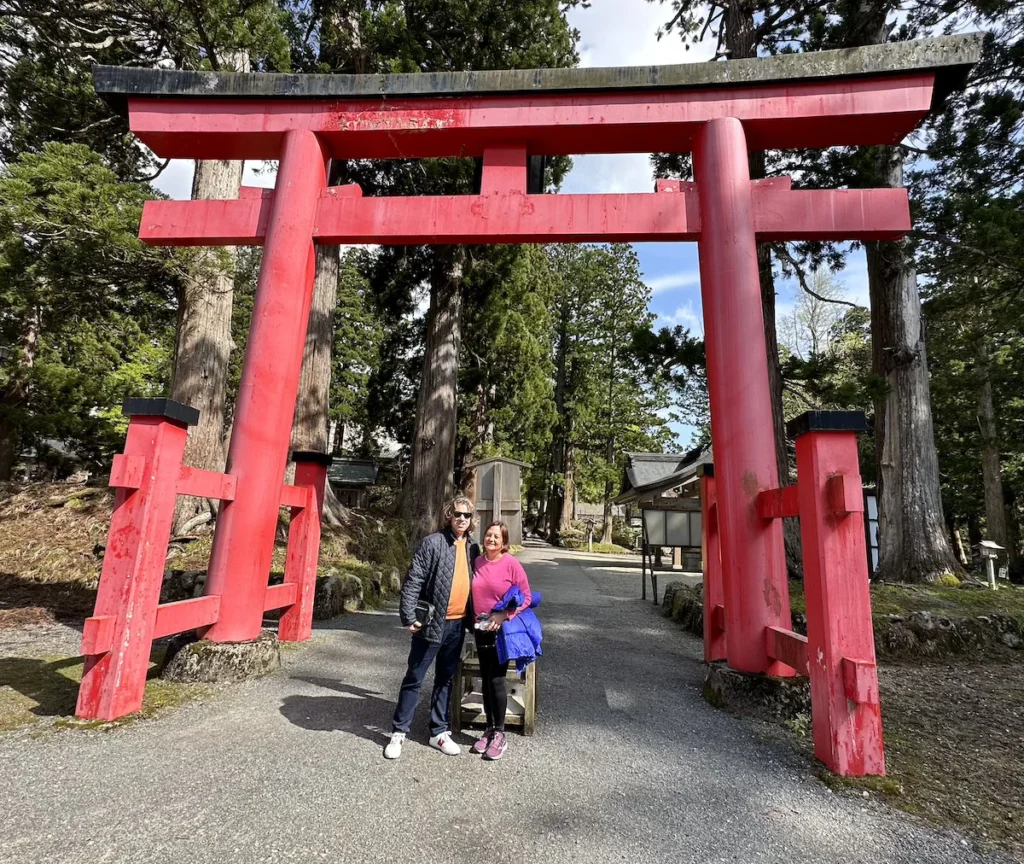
x: 991, y: 473
x: 569, y: 495
x: 913, y: 546
x: 312, y: 406
x: 956, y: 540
x: 561, y: 439
x: 606, y: 534
x: 203, y: 344
x: 433, y: 450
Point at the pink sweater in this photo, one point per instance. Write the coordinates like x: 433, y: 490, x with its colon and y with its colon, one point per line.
x: 491, y: 579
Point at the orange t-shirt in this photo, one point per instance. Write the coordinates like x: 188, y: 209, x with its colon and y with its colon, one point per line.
x: 460, y: 583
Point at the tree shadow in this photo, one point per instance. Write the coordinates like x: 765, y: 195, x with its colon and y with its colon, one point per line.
x: 55, y: 695
x: 65, y: 601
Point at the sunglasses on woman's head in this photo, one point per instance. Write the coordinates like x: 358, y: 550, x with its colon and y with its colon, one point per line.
x: 459, y: 515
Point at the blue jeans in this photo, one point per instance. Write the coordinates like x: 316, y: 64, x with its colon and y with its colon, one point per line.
x: 421, y: 655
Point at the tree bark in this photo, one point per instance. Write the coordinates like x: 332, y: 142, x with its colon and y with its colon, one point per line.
x: 203, y: 344
x: 433, y: 450
x: 913, y: 546
x: 556, y: 496
x: 991, y: 472
x: 956, y: 540
x: 565, y: 520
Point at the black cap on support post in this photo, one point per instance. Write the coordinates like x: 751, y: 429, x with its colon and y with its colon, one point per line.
x: 312, y: 456
x: 177, y: 411
x: 706, y: 469
x: 826, y: 421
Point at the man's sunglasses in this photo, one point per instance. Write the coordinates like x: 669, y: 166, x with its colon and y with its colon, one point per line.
x: 459, y: 515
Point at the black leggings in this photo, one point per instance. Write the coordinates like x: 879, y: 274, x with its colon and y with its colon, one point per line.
x: 493, y: 674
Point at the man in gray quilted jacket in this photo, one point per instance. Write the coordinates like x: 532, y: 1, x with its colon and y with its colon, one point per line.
x: 441, y: 571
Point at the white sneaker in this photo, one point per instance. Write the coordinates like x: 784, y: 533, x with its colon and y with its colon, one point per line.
x: 444, y: 743
x: 394, y: 748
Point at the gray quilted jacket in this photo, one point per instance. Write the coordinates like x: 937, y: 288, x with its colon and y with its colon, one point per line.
x: 430, y: 579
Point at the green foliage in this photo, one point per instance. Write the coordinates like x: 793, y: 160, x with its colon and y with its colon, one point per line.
x: 85, y: 303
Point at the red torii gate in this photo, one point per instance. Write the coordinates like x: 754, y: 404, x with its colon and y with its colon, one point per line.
x: 718, y: 111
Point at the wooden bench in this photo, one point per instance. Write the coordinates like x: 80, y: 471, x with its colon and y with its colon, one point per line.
x: 468, y: 702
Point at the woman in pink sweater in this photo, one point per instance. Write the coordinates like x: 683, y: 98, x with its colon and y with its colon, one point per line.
x: 493, y: 574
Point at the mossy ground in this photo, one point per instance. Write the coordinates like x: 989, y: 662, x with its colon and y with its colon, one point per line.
x: 888, y: 599
x: 42, y: 692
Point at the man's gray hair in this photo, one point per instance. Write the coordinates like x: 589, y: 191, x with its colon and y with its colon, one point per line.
x: 460, y: 502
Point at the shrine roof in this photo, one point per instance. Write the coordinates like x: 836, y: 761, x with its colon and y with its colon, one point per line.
x: 949, y: 57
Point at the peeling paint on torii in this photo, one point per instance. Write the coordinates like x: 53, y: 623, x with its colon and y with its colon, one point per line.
x: 717, y: 111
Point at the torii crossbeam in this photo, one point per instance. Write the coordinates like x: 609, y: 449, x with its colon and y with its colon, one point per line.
x: 717, y: 111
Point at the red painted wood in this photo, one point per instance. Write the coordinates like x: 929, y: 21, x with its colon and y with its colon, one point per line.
x: 778, y: 503
x: 860, y: 681
x: 300, y: 566
x: 787, y: 647
x: 279, y: 596
x: 98, y: 634
x: 877, y: 110
x: 185, y: 615
x: 294, y: 496
x: 244, y: 541
x: 512, y: 217
x: 126, y: 472
x: 845, y: 494
x: 504, y: 170
x: 206, y: 484
x: 847, y: 734
x: 133, y: 566
x: 753, y: 557
x: 714, y: 591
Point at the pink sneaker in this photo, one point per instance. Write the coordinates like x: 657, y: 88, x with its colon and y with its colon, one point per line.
x: 482, y: 743
x: 496, y: 749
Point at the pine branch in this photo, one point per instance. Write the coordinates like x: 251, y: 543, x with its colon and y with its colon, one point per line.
x: 782, y: 250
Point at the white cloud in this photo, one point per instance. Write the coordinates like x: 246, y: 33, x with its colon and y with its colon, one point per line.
x: 624, y: 33
x: 176, y: 179
x: 685, y: 316
x: 672, y: 281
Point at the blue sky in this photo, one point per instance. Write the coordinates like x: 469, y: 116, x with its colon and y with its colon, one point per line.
x: 620, y: 33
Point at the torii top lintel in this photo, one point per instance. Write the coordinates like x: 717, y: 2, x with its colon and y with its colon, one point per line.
x: 860, y: 96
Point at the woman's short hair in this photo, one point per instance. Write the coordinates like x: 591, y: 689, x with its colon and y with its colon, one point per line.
x: 459, y: 503
x: 505, y: 545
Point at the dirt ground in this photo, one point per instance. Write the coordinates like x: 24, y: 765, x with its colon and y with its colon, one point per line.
x: 954, y: 736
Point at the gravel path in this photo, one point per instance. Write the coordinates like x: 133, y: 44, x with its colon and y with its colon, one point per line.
x: 628, y: 764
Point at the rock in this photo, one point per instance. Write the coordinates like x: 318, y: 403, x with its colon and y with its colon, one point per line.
x: 394, y: 581
x: 756, y: 695
x: 182, y: 585
x: 205, y: 662
x: 1011, y: 640
x: 336, y: 592
x: 668, y: 595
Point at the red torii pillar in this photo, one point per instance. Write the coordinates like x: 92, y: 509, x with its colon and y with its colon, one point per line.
x: 244, y: 540
x: 753, y: 554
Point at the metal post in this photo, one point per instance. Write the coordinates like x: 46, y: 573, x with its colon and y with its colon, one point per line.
x: 845, y: 709
x: 244, y: 540
x: 753, y: 554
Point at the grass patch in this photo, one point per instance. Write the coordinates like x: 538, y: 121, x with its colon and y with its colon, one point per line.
x: 34, y: 691
x: 888, y: 787
x: 888, y: 599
